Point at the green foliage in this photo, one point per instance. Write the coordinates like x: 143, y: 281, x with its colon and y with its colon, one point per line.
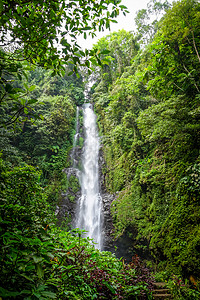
x: 15, y: 105
x: 175, y: 56
x: 37, y: 26
x: 47, y: 142
x: 38, y: 261
x: 145, y: 26
x: 29, y: 37
x: 46, y: 85
x: 73, y: 184
x: 24, y: 216
x: 117, y: 50
x: 182, y: 290
x: 149, y: 121
x: 179, y: 237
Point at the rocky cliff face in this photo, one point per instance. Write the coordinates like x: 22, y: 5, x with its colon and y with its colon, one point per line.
x: 107, y: 199
x: 66, y: 209
x: 125, y: 246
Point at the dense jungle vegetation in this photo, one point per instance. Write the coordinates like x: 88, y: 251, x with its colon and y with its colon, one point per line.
x: 146, y: 92
x: 147, y: 100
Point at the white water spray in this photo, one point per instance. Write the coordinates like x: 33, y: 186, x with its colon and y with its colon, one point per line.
x: 89, y: 216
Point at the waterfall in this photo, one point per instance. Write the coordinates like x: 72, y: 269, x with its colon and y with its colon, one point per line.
x: 89, y: 216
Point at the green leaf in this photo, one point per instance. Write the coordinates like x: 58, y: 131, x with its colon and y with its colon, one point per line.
x: 27, y: 277
x: 26, y: 85
x: 18, y: 9
x: 105, y: 52
x: 31, y: 101
x: 8, y: 87
x: 19, y: 76
x: 37, y: 259
x: 122, y: 6
x: 87, y: 28
x: 40, y: 271
x: 70, y: 73
x: 48, y: 294
x: 110, y: 287
x: 25, y: 110
x: 5, y: 293
x: 23, y: 101
x: 31, y: 88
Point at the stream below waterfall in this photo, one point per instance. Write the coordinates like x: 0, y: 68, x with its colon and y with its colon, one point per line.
x: 89, y: 207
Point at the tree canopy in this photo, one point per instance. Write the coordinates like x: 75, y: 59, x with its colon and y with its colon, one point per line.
x: 45, y: 32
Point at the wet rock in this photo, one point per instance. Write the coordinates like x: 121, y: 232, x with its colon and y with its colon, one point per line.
x: 66, y: 209
x: 108, y: 222
x: 107, y: 199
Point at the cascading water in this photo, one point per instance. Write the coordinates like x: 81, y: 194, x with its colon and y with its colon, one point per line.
x: 89, y: 215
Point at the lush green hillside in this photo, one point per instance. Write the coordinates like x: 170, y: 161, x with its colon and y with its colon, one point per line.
x: 148, y: 108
